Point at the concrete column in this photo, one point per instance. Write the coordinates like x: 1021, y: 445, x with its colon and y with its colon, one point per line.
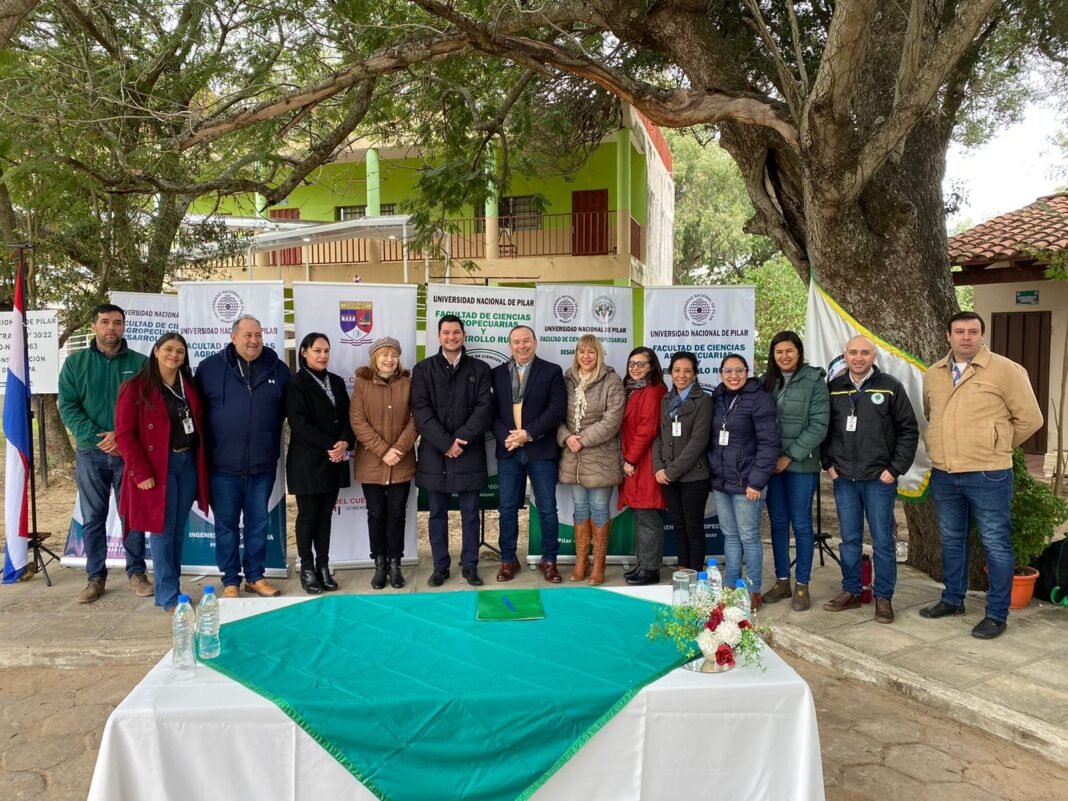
x: 374, y: 202
x: 623, y: 194
x: 492, y: 251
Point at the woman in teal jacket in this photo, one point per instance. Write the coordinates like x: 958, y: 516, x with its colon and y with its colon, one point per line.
x: 804, y: 407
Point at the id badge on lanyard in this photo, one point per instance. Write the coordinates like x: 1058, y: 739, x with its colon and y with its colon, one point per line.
x: 676, y: 428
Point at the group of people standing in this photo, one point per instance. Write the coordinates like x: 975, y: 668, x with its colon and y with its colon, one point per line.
x: 163, y: 439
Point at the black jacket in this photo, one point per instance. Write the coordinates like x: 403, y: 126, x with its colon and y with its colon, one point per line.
x: 683, y: 457
x: 544, y: 408
x: 748, y: 458
x: 315, y: 425
x: 450, y: 404
x: 886, y: 435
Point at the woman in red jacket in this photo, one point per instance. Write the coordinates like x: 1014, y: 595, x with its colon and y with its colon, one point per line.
x: 640, y: 491
x: 158, y: 430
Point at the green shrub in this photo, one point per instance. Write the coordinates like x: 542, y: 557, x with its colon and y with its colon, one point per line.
x: 1036, y: 512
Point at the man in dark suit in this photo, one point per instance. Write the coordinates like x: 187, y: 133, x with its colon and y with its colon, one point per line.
x: 531, y: 401
x: 452, y: 403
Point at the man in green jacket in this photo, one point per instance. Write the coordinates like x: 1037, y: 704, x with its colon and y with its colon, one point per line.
x: 88, y: 388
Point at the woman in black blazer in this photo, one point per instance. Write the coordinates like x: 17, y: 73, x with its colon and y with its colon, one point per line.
x: 317, y: 405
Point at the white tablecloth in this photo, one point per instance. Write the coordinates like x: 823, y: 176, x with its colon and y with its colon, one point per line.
x: 745, y: 735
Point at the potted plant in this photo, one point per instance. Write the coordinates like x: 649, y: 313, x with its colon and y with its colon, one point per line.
x: 1036, y: 514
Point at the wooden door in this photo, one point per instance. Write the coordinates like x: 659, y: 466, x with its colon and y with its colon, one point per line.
x: 1024, y: 338
x: 288, y: 256
x: 589, y: 222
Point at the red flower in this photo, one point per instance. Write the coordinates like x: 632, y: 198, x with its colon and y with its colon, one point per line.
x: 745, y: 624
x: 725, y: 656
x: 714, y: 619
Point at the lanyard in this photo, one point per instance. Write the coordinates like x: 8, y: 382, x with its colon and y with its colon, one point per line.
x: 181, y: 386
x: 728, y: 416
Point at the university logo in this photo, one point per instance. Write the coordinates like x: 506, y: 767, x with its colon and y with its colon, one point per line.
x: 604, y: 309
x: 699, y: 309
x: 227, y: 306
x: 565, y: 308
x: 356, y: 318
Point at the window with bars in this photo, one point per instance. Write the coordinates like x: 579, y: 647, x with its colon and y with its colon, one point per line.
x: 514, y: 212
x: 344, y: 213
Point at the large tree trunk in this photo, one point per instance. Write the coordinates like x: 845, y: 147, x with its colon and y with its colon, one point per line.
x: 57, y: 443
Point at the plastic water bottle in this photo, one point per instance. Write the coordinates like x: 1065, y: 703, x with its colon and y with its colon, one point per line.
x: 743, y: 598
x: 715, y: 580
x: 703, y: 587
x: 183, y: 624
x: 208, y: 625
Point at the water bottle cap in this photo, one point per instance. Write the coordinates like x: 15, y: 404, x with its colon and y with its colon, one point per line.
x: 183, y: 599
x: 702, y: 576
x: 712, y: 562
x: 209, y: 589
x: 740, y: 584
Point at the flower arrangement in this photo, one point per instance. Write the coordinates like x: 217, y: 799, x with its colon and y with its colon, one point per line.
x: 717, y: 627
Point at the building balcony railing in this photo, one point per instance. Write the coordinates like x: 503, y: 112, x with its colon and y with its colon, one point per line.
x: 591, y: 233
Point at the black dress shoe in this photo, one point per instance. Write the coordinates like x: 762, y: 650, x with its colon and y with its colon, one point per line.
x: 309, y: 580
x: 644, y: 578
x: 988, y: 629
x: 438, y: 577
x: 378, y: 580
x: 326, y: 580
x: 396, y: 578
x: 941, y: 609
x: 471, y: 574
x: 632, y: 572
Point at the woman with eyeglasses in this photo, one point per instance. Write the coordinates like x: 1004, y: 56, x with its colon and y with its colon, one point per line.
x: 804, y: 409
x: 679, y: 457
x: 158, y: 430
x: 645, y: 387
x: 589, y: 462
x: 745, y: 443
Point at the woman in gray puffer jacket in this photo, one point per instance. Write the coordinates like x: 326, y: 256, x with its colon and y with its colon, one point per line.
x: 590, y: 462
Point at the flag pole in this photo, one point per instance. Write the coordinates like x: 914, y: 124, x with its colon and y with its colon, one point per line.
x: 36, y: 537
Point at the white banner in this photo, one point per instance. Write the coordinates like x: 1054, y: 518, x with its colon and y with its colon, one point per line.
x: 207, y: 310
x: 42, y: 342
x: 564, y: 312
x: 710, y: 321
x: 148, y: 317
x: 827, y: 329
x: 353, y: 316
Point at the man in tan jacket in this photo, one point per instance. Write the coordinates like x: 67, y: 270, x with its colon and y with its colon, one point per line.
x: 980, y: 406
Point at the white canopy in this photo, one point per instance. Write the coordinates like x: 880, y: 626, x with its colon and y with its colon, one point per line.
x: 393, y: 227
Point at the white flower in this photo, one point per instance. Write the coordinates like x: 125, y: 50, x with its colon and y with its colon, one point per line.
x: 732, y: 614
x: 707, y: 642
x: 732, y: 635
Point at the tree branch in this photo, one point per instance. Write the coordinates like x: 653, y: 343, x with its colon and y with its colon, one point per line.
x: 100, y: 37
x: 910, y: 59
x: 799, y: 54
x: 790, y: 89
x: 12, y: 13
x: 673, y: 108
x: 945, y: 54
x: 843, y: 56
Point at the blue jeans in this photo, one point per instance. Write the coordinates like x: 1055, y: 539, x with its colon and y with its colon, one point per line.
x: 986, y: 496
x: 512, y: 475
x: 167, y: 544
x: 591, y: 503
x: 97, y: 474
x: 232, y: 495
x: 739, y: 520
x: 439, y: 528
x: 874, y: 500
x: 790, y: 503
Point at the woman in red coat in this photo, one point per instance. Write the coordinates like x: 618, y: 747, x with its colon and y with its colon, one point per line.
x: 640, y: 491
x: 158, y: 430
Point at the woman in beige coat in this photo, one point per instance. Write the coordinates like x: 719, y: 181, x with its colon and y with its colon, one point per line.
x: 590, y: 462
x: 384, y: 460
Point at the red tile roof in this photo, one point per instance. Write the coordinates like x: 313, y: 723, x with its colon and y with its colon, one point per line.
x: 1042, y: 226
x: 658, y: 140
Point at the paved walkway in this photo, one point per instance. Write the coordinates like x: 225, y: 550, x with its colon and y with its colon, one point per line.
x: 64, y: 666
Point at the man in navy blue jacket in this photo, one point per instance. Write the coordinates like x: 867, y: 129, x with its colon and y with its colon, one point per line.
x: 243, y: 387
x: 531, y: 401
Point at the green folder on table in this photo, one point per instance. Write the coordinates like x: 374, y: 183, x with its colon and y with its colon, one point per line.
x: 509, y: 605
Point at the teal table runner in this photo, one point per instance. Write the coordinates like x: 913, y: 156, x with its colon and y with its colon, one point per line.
x: 420, y: 701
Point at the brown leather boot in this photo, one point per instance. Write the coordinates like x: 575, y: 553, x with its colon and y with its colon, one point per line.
x: 600, y: 553
x: 583, y: 532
